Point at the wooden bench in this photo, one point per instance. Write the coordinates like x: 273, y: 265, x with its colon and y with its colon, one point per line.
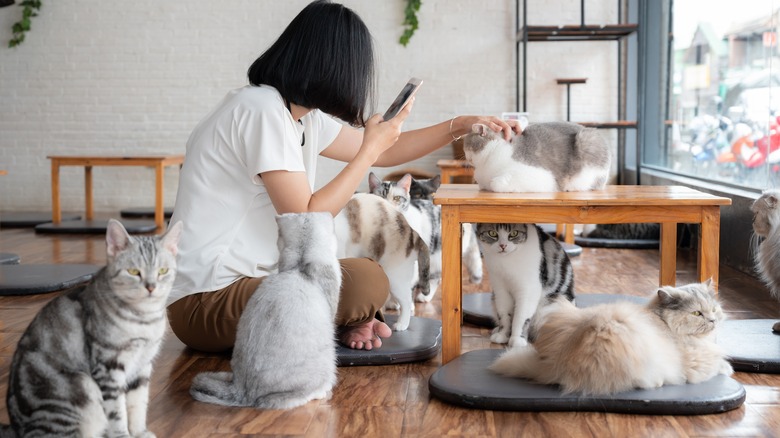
x: 159, y: 163
x: 667, y: 205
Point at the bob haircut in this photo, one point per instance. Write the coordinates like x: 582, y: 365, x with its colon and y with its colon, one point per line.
x: 324, y: 59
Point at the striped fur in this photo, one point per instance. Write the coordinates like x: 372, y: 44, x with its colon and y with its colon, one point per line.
x: 82, y: 367
x: 525, y: 265
x: 370, y: 226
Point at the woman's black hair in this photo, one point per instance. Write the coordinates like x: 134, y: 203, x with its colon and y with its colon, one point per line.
x: 324, y: 59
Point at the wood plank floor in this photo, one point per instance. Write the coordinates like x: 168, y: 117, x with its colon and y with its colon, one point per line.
x: 393, y: 401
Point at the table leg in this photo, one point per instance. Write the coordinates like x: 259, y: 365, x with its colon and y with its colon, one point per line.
x: 159, y: 213
x: 88, y: 199
x: 56, y: 212
x: 668, y: 247
x: 568, y: 237
x: 709, y: 245
x: 451, y: 293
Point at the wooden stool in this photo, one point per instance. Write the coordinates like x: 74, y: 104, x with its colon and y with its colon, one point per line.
x: 159, y: 163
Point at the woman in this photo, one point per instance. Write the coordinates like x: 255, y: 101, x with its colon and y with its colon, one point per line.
x: 255, y: 156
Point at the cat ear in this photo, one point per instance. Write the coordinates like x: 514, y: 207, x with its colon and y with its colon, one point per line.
x: 664, y: 297
x: 117, y: 238
x: 480, y: 129
x: 373, y: 181
x: 436, y: 182
x: 171, y: 238
x: 405, y: 182
x: 771, y: 200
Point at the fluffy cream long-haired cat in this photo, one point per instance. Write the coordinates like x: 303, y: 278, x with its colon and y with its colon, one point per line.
x: 620, y: 346
x: 766, y: 225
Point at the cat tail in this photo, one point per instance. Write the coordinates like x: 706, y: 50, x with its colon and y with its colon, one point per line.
x: 6, y: 431
x: 216, y: 388
x: 422, y: 290
x: 523, y: 362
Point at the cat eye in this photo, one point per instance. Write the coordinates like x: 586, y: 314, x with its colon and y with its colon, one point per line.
x: 492, y: 233
x: 696, y: 313
x: 133, y: 271
x: 514, y: 233
x: 397, y: 198
x: 163, y: 271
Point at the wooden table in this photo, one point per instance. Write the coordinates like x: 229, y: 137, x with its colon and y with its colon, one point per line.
x: 667, y: 205
x: 158, y: 162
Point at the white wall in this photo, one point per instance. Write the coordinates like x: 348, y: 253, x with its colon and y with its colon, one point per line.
x: 120, y: 77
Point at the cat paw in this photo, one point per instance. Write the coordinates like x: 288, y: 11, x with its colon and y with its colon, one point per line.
x: 499, y: 338
x: 145, y: 434
x: 475, y: 279
x: 400, y: 326
x: 517, y: 341
x: 726, y: 369
x: 422, y: 298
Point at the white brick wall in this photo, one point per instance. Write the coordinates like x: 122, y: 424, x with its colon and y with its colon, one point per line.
x: 116, y: 77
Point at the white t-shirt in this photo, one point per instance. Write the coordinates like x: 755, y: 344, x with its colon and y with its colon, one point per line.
x: 229, y: 221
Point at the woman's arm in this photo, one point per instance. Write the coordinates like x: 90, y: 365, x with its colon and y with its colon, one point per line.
x: 290, y: 191
x: 417, y: 143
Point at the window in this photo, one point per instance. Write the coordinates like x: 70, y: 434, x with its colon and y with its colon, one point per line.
x: 722, y: 116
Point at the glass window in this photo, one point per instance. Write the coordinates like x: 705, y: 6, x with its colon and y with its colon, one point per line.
x: 723, y: 115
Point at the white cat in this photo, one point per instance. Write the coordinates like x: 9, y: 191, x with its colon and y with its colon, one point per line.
x: 369, y: 226
x: 546, y: 157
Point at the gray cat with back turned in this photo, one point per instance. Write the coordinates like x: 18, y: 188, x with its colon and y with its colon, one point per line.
x: 285, y: 351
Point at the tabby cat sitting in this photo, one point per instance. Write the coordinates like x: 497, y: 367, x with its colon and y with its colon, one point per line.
x: 766, y: 225
x: 83, y: 365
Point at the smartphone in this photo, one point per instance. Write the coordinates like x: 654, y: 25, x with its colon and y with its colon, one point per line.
x: 403, y: 97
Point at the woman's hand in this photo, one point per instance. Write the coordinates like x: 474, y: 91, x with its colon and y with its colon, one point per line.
x: 380, y: 135
x: 462, y: 125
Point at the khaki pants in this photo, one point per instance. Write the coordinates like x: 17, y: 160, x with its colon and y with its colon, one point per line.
x: 208, y: 321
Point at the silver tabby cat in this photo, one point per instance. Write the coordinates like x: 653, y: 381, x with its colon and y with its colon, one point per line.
x: 285, y: 350
x: 546, y: 157
x: 619, y: 346
x: 524, y: 266
x: 83, y: 365
x: 766, y: 225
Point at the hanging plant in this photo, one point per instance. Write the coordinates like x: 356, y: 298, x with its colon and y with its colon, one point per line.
x: 31, y: 8
x: 410, y: 20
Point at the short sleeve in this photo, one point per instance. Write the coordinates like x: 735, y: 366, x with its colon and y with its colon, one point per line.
x: 329, y: 128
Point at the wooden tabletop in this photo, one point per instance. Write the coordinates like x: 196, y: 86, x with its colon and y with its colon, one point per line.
x: 470, y: 194
x: 117, y: 160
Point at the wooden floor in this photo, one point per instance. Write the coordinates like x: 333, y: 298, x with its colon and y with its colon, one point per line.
x: 393, y: 401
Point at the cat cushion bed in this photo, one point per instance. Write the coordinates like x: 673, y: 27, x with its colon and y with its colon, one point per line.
x: 467, y: 382
x: 143, y: 212
x: 422, y: 341
x: 7, y: 258
x: 751, y: 345
x: 29, y: 219
x: 38, y: 279
x: 95, y: 226
x: 601, y: 242
x: 478, y: 307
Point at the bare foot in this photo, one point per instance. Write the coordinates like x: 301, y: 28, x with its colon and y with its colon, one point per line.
x: 366, y: 336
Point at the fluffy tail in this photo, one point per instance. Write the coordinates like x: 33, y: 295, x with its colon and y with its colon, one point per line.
x: 216, y: 388
x: 521, y: 362
x: 6, y: 431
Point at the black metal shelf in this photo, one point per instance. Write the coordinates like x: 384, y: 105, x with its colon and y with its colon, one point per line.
x: 612, y: 32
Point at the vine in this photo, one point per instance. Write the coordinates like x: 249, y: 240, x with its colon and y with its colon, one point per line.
x: 31, y: 8
x: 410, y: 20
